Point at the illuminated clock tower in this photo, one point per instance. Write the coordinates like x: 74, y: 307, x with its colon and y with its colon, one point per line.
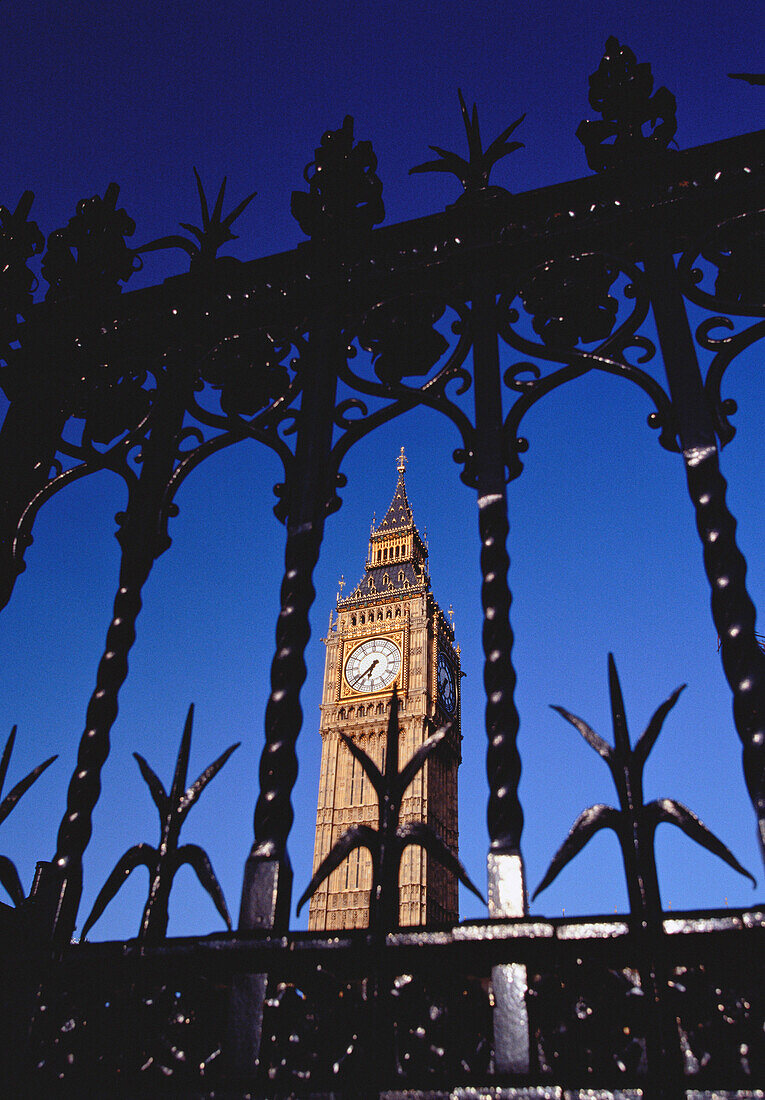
x: 388, y: 630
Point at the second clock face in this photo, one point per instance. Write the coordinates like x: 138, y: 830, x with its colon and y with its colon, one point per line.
x: 446, y: 688
x: 373, y: 665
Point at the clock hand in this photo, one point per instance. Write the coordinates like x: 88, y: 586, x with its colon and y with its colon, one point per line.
x: 365, y: 674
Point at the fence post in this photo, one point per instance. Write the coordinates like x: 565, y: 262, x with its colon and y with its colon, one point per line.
x: 506, y: 886
x: 267, y: 888
x: 142, y: 540
x: 732, y: 609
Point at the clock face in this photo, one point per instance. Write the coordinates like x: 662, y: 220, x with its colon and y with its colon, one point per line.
x: 447, y: 691
x: 373, y: 665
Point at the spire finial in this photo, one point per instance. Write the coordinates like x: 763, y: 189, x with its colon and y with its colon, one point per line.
x: 401, y: 461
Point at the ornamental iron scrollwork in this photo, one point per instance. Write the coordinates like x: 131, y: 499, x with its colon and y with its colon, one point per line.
x: 401, y: 337
x: 403, y: 340
x: 592, y: 1021
x: 588, y: 1021
x: 719, y: 1010
x: 620, y: 90
x: 257, y: 393
x: 726, y: 348
x: 734, y: 251
x: 570, y: 302
x: 573, y: 300
x: 248, y: 370
x: 344, y: 200
x: 144, y: 1038
x: 410, y: 1029
x: 20, y: 240
x: 88, y: 259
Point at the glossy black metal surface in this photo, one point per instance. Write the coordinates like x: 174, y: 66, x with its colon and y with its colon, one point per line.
x: 149, y: 384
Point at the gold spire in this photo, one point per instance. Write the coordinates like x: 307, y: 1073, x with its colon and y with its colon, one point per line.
x: 401, y: 462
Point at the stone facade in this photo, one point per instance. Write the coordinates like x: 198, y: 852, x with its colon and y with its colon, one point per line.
x: 413, y: 647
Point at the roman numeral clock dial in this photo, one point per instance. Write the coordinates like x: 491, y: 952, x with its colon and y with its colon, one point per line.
x: 373, y: 665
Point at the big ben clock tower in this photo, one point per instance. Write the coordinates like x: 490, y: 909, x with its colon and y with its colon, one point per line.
x: 388, y: 631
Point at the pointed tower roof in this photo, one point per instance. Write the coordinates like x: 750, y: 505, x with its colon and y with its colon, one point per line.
x: 397, y: 560
x: 399, y: 516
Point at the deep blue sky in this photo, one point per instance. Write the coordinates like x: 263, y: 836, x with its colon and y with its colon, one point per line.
x: 603, y: 544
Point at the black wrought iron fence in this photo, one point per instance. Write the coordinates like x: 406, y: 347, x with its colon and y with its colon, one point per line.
x: 162, y: 378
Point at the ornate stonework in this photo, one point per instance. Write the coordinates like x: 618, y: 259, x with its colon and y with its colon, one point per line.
x: 388, y: 630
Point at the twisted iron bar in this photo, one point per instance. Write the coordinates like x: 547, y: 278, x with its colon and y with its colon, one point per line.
x: 274, y: 813
x: 734, y: 617
x: 732, y: 609
x: 503, y: 762
x: 308, y: 497
x: 141, y: 542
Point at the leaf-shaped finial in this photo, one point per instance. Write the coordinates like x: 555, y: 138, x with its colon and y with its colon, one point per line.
x: 214, y: 233
x: 474, y: 172
x: 164, y: 861
x: 634, y: 823
x: 9, y: 876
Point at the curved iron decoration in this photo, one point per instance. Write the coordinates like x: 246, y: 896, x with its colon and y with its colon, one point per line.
x: 634, y: 822
x: 620, y: 90
x: 734, y: 248
x: 20, y: 240
x: 401, y: 397
x: 344, y: 200
x: 68, y: 358
x: 726, y: 349
x: 609, y: 356
x: 164, y: 861
x: 386, y: 844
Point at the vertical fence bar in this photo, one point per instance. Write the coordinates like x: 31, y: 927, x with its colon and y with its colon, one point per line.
x: 267, y: 888
x: 732, y: 609
x: 507, y: 890
x: 140, y: 537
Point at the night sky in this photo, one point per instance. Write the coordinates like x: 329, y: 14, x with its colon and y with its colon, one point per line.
x: 604, y: 551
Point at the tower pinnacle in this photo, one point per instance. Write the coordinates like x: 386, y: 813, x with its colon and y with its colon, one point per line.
x: 401, y: 461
